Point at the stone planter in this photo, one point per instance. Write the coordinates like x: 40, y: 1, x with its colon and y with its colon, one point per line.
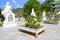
x: 36, y: 31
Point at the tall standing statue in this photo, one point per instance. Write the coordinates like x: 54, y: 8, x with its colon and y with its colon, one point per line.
x: 33, y: 13
x: 44, y: 15
x: 9, y: 16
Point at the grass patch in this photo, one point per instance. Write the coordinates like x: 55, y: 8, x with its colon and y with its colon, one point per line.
x: 0, y: 24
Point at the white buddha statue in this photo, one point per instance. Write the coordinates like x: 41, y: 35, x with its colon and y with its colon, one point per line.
x: 8, y: 6
x: 44, y: 15
x: 33, y: 13
x: 6, y: 9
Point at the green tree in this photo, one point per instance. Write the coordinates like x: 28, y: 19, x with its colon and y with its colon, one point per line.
x: 29, y: 5
x: 48, y: 7
x: 0, y: 10
x: 1, y: 16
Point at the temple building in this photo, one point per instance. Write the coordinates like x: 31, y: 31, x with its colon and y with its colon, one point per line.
x: 56, y: 5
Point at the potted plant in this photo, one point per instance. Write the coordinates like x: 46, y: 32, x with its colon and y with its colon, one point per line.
x: 32, y: 24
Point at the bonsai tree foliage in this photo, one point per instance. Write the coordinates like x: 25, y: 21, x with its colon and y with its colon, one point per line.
x: 29, y: 5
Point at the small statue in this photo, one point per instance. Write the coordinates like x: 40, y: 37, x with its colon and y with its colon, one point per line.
x: 8, y: 6
x: 44, y: 15
x: 6, y: 9
x: 33, y: 13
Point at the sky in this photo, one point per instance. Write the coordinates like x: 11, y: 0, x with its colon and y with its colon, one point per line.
x: 15, y: 3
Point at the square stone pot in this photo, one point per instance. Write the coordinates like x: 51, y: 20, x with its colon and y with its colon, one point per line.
x: 36, y: 31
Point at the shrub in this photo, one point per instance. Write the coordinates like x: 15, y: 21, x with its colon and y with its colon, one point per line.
x: 33, y: 22
x: 1, y: 16
x: 57, y: 15
x: 51, y: 21
x: 0, y: 24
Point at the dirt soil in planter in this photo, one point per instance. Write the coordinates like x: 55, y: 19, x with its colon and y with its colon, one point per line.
x: 31, y: 28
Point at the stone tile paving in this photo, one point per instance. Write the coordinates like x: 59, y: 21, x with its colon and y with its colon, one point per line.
x: 52, y: 32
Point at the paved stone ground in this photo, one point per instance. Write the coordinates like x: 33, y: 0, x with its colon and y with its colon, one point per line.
x: 52, y: 32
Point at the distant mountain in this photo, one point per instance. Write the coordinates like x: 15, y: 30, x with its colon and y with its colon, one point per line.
x: 16, y: 10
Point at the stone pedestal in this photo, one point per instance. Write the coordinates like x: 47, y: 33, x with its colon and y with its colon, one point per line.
x: 7, y: 25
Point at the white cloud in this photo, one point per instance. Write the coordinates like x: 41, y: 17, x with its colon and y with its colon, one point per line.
x: 14, y: 1
x: 42, y: 1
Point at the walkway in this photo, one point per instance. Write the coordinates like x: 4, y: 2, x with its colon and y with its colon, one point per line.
x: 52, y: 32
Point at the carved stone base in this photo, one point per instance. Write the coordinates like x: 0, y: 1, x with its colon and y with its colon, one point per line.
x: 8, y: 25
